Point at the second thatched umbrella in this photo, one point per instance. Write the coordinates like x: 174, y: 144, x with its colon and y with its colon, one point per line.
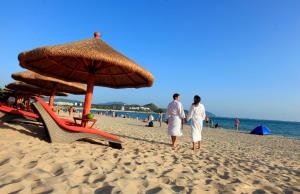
x: 50, y: 83
x: 90, y: 61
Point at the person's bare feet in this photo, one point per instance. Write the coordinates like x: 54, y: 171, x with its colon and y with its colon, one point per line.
x: 173, y: 147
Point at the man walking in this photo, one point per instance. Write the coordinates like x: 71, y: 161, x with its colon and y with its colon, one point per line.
x: 174, y: 118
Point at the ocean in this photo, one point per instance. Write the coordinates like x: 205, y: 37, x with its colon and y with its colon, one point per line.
x: 281, y: 128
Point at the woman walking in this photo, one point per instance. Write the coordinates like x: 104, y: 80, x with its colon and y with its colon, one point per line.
x: 196, y: 115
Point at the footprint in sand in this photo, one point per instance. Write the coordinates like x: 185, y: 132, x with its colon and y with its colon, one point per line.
x: 93, y: 165
x: 166, y: 180
x: 4, y: 161
x: 97, y: 178
x: 154, y: 190
x: 160, y: 190
x: 31, y: 164
x: 41, y: 188
x: 82, y: 172
x: 178, y: 189
x: 225, y: 176
x: 12, y: 188
x: 105, y: 189
x: 57, y: 170
x: 208, y: 181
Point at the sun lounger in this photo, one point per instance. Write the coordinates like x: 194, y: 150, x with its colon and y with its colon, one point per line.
x: 8, y: 114
x: 59, y: 131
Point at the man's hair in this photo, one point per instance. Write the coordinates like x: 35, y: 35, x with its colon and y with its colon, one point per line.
x: 175, y: 95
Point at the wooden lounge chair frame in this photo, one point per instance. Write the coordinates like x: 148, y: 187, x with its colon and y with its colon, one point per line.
x: 8, y: 114
x: 59, y: 132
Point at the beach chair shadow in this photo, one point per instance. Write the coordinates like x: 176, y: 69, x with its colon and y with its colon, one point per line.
x: 59, y: 132
x: 34, y: 131
x: 140, y: 139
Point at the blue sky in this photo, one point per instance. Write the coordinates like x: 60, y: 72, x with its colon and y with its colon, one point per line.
x: 241, y: 57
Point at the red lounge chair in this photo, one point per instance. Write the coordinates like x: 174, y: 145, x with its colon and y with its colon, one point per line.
x: 8, y: 114
x: 59, y: 131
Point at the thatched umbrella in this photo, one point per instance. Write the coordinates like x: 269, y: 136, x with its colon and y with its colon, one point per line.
x: 90, y: 61
x: 50, y: 83
x: 20, y: 93
x: 23, y: 87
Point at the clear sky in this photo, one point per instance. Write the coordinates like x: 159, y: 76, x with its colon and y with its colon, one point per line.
x: 241, y: 56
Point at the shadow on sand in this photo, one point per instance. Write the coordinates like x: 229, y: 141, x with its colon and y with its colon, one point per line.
x: 140, y: 139
x: 30, y: 130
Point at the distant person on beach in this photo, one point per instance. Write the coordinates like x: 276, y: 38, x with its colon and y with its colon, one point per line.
x: 174, y: 118
x: 11, y: 101
x: 211, y: 123
x: 217, y: 125
x: 70, y: 110
x: 237, y: 124
x: 206, y: 121
x: 160, y: 118
x: 197, y: 116
x: 150, y: 119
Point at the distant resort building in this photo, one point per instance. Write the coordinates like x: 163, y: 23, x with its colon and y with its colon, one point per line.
x: 59, y: 103
x: 134, y: 108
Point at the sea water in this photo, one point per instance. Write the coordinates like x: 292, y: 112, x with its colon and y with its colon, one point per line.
x: 282, y: 128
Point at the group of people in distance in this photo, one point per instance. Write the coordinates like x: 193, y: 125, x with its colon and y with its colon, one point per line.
x: 175, y: 117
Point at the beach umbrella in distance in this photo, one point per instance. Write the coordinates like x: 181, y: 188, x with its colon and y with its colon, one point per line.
x: 261, y: 130
x: 23, y: 87
x: 90, y: 61
x: 50, y: 83
x: 20, y: 93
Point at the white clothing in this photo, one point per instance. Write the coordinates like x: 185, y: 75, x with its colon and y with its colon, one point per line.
x: 175, y: 114
x: 151, y: 118
x: 11, y: 100
x: 196, y: 115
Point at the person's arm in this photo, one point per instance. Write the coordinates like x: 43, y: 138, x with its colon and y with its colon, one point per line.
x: 181, y: 114
x: 181, y: 111
x: 204, y: 113
x: 167, y: 115
x: 190, y: 114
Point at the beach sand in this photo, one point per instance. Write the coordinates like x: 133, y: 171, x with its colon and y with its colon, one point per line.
x: 228, y: 162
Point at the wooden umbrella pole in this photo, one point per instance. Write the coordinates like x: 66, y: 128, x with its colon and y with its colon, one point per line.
x: 51, y: 99
x: 88, y: 96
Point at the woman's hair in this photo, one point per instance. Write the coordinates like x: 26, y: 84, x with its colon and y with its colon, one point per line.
x: 197, y: 100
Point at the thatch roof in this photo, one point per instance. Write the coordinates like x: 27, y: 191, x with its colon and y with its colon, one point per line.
x: 76, y: 61
x: 50, y: 83
x: 20, y: 93
x: 20, y: 86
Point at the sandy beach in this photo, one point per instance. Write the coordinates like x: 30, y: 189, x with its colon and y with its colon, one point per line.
x: 228, y: 162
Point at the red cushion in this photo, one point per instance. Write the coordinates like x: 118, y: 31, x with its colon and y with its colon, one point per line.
x: 68, y: 121
x: 62, y: 124
x: 17, y: 111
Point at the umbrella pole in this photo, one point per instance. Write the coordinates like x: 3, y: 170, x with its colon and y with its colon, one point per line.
x: 51, y: 99
x: 88, y: 98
